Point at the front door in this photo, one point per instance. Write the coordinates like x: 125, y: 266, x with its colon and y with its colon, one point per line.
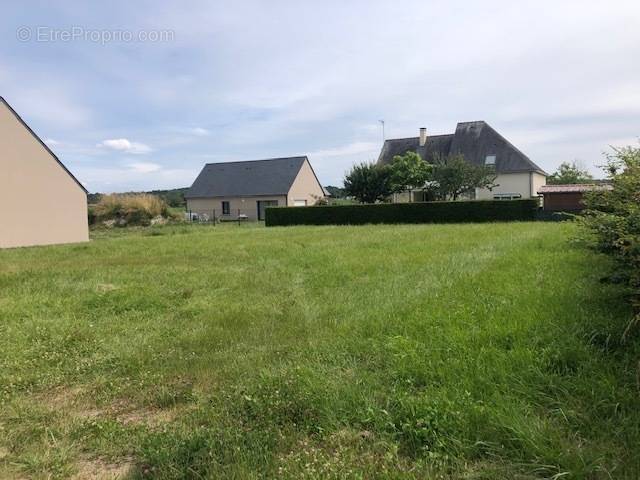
x: 262, y: 204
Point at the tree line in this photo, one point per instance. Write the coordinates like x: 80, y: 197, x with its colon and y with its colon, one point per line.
x: 446, y: 178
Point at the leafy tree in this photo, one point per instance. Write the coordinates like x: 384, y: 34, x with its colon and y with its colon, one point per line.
x: 368, y: 182
x: 453, y: 175
x: 570, y: 173
x: 613, y: 218
x: 336, y: 192
x: 409, y: 172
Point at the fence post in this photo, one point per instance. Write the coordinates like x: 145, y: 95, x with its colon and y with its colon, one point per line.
x: 190, y: 217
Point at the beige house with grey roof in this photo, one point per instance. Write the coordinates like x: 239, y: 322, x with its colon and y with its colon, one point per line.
x: 480, y: 144
x: 41, y: 202
x: 230, y: 190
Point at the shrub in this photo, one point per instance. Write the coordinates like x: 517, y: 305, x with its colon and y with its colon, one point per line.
x: 409, y: 172
x: 425, y: 212
x: 452, y: 176
x: 368, y: 182
x: 130, y: 209
x: 91, y: 215
x: 613, y: 219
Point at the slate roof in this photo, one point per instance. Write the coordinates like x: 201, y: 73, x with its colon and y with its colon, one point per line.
x: 273, y: 176
x: 474, y: 140
x: 574, y: 188
x: 44, y: 145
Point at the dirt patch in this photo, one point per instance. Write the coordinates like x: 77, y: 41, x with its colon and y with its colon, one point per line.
x: 99, y: 469
x: 149, y: 417
x: 76, y: 403
x: 70, y: 400
x: 105, y: 287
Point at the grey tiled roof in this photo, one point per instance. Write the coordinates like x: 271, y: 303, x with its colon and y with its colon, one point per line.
x: 254, y: 177
x: 474, y: 140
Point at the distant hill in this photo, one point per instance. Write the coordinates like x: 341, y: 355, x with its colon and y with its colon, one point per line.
x: 174, y: 197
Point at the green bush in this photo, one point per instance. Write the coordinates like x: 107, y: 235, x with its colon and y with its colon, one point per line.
x: 612, y: 218
x: 425, y: 212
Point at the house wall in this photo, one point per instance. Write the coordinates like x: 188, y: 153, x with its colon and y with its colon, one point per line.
x: 403, y: 197
x: 305, y: 187
x: 525, y: 183
x: 238, y: 205
x: 538, y: 181
x: 40, y: 203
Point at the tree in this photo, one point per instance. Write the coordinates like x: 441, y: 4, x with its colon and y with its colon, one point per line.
x: 570, y: 173
x: 453, y: 176
x: 612, y: 216
x: 336, y: 192
x: 368, y: 182
x: 409, y: 172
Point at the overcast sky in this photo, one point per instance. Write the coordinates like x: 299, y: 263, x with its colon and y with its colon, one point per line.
x: 139, y: 95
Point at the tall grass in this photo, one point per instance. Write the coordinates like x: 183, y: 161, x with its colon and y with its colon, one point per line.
x: 132, y: 209
x: 446, y: 351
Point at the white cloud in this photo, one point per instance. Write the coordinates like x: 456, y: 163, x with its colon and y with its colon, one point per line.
x: 559, y: 90
x: 124, y: 145
x: 200, y: 132
x: 144, y: 167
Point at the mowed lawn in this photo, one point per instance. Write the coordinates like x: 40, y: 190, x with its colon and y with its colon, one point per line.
x: 437, y: 351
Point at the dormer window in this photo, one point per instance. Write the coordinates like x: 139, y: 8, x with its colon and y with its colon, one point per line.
x: 490, y: 160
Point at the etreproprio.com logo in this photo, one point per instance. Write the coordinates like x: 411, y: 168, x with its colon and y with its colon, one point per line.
x: 45, y: 34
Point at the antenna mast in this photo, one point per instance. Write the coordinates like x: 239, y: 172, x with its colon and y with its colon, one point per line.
x: 382, y: 123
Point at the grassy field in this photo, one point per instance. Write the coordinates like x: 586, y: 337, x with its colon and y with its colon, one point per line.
x: 458, y: 351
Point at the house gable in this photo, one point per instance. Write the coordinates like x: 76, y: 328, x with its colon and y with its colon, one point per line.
x: 305, y: 186
x: 41, y: 203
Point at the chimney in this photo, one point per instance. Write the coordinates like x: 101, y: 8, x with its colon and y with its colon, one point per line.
x: 423, y: 136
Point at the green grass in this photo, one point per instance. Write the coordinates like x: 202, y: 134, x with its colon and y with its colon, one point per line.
x: 458, y: 351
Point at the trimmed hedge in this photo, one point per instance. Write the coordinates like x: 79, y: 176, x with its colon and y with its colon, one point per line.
x: 419, y: 212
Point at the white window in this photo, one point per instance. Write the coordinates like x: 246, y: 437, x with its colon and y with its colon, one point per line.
x: 507, y: 196
x: 299, y: 203
x: 490, y: 160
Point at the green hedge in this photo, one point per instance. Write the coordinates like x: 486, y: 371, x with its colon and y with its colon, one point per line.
x: 422, y: 212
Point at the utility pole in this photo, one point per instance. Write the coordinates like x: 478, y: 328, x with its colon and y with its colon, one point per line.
x: 382, y: 123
